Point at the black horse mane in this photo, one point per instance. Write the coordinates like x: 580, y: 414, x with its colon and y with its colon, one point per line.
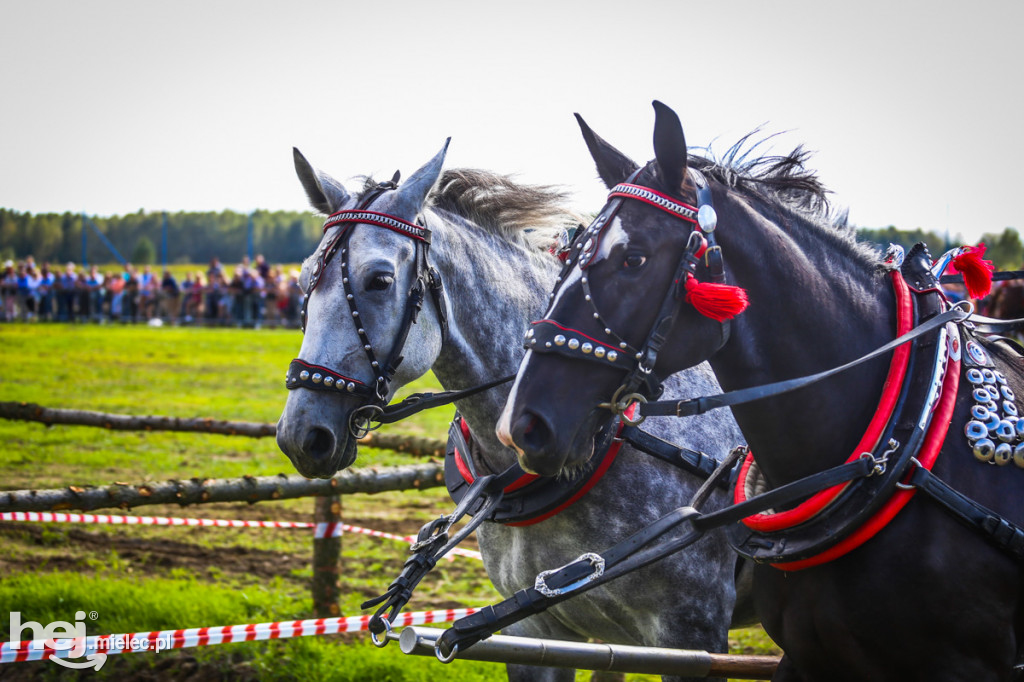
x: 787, y: 182
x: 786, y: 177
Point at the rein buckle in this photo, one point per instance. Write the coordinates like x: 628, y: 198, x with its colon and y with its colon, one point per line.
x: 596, y: 562
x: 435, y: 532
x: 619, y: 404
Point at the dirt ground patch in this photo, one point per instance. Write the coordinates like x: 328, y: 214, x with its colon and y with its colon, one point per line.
x: 148, y: 554
x: 79, y: 548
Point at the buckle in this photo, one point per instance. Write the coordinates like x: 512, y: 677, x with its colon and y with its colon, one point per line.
x: 596, y: 561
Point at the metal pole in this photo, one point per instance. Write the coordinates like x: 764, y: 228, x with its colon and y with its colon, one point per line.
x: 103, y: 238
x: 163, y: 240
x: 419, y: 641
x: 251, y: 255
x: 85, y: 243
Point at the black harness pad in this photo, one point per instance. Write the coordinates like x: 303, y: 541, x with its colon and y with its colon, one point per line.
x: 863, y: 497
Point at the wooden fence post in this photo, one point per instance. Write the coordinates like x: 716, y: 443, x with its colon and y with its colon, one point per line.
x: 326, y: 555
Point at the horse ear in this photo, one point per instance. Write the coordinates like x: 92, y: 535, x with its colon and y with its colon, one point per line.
x: 669, y: 146
x: 612, y: 165
x: 413, y: 192
x: 326, y: 194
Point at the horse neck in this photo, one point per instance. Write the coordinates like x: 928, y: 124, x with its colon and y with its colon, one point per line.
x: 815, y: 304
x: 494, y: 288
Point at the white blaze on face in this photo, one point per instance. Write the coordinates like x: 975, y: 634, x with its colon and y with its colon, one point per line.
x: 613, y: 236
x: 504, y: 429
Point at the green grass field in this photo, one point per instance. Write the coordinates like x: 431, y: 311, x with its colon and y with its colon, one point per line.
x: 142, y: 578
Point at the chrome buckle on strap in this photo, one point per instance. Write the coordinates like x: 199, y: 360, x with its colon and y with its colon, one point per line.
x: 596, y: 561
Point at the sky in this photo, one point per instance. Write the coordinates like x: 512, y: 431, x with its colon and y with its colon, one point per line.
x: 913, y: 109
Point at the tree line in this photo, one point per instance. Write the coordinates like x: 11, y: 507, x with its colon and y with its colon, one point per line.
x: 288, y: 237
x: 192, y: 237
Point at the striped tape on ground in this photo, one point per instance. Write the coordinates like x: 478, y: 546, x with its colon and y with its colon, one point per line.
x: 321, y: 530
x: 161, y: 640
x: 472, y: 554
x: 60, y: 517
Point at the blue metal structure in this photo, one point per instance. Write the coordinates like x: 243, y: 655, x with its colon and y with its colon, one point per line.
x: 163, y: 241
x: 103, y: 238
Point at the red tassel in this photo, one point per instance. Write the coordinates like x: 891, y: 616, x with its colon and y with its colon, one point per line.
x: 718, y: 301
x: 977, y: 272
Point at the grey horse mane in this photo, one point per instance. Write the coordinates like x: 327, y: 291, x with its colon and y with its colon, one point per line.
x: 531, y: 215
x: 786, y: 180
x: 535, y: 214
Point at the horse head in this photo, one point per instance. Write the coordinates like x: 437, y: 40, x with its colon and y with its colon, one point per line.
x: 624, y: 312
x: 364, y: 330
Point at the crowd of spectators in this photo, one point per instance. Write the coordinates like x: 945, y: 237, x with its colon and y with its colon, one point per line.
x: 249, y: 295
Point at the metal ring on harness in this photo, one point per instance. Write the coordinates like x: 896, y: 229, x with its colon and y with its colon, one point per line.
x: 441, y: 657
x: 383, y: 642
x: 365, y: 419
x: 619, y: 404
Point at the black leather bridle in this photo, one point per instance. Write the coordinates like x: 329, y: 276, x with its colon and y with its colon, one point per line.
x: 640, y: 382
x: 303, y: 374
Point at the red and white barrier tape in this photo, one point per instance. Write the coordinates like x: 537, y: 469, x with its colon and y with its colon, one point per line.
x: 161, y: 640
x: 321, y: 530
x: 59, y: 517
x: 472, y: 554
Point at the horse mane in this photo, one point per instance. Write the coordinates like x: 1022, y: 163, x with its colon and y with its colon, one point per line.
x: 534, y: 214
x: 785, y: 180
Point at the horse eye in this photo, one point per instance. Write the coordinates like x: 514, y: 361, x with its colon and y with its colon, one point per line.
x: 381, y: 282
x: 634, y: 261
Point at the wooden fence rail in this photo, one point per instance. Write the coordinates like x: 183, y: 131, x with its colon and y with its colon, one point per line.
x: 413, y: 445
x: 244, y: 489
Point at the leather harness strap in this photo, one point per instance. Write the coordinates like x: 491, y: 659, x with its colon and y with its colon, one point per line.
x: 1002, y: 533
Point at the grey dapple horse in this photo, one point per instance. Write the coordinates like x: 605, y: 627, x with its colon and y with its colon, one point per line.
x: 489, y: 241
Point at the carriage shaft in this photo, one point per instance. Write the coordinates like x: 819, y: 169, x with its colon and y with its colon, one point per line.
x: 419, y: 641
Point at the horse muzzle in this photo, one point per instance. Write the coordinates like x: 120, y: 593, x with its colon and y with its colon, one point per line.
x: 315, y: 435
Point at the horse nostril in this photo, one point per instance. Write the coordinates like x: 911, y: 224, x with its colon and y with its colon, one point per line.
x: 531, y: 432
x: 319, y: 443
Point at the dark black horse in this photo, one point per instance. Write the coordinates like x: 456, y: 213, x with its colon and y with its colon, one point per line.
x: 925, y: 598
